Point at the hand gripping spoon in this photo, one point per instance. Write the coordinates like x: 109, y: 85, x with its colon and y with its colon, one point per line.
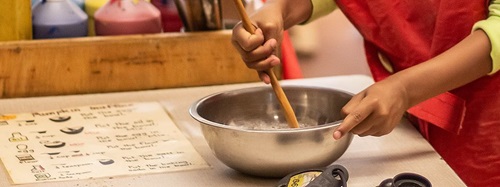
x: 289, y: 114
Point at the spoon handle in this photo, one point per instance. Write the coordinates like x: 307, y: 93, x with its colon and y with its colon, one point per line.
x: 280, y: 94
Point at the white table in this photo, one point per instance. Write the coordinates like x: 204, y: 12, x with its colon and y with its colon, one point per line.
x: 369, y: 160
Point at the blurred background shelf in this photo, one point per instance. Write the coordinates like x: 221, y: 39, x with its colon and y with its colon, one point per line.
x: 28, y: 68
x: 32, y: 68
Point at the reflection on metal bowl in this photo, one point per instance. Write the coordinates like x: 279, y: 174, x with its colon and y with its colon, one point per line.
x: 274, y: 151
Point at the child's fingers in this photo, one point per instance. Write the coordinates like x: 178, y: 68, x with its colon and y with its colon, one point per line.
x: 354, y: 118
x: 246, y: 41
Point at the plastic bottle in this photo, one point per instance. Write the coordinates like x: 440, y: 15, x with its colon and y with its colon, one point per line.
x: 170, y: 18
x: 91, y: 6
x: 120, y: 17
x: 58, y: 19
x: 80, y: 3
x: 15, y: 22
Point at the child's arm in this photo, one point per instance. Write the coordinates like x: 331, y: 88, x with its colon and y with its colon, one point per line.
x: 378, y: 109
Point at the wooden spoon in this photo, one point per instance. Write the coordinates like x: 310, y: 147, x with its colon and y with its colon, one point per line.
x: 289, y: 114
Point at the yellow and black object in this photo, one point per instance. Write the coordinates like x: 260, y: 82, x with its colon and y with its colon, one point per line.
x: 332, y: 176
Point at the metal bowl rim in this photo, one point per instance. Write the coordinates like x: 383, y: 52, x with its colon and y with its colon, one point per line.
x: 197, y: 117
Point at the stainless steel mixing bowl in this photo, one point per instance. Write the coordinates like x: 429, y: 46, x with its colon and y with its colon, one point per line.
x: 226, y: 119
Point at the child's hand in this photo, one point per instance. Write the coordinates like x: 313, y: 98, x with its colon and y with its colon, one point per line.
x: 259, y: 50
x: 255, y: 52
x: 375, y: 111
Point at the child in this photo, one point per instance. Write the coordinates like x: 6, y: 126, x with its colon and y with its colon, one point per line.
x: 435, y: 60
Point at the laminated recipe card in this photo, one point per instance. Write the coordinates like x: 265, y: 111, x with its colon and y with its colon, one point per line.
x: 93, y: 141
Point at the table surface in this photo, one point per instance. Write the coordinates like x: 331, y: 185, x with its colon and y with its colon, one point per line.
x: 369, y: 160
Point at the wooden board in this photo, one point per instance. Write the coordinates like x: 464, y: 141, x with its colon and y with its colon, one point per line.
x: 119, y: 63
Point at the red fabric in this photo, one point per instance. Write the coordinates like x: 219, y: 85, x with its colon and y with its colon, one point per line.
x: 289, y: 60
x: 463, y: 125
x: 449, y: 107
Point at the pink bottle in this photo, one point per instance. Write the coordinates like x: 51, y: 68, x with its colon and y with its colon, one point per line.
x: 121, y: 17
x: 170, y: 18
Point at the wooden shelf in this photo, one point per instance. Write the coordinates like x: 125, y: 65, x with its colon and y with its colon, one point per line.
x: 119, y: 63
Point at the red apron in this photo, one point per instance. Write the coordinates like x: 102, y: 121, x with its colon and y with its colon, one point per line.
x: 463, y: 125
